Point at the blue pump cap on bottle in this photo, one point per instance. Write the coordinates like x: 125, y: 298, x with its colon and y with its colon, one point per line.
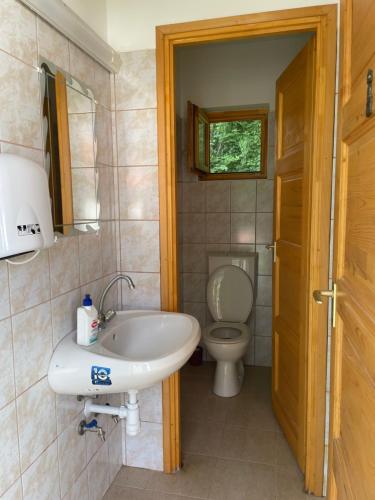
x: 87, y: 301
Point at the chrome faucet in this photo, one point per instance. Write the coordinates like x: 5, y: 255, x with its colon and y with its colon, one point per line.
x: 105, y: 317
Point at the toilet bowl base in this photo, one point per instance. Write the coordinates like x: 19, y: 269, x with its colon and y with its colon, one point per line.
x: 228, y: 378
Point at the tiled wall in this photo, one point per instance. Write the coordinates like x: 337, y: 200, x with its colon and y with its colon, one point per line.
x: 42, y: 455
x: 225, y: 216
x: 135, y: 152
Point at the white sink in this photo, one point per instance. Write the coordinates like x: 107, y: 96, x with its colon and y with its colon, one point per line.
x: 136, y: 350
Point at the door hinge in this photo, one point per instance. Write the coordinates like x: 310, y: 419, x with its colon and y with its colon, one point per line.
x: 319, y: 295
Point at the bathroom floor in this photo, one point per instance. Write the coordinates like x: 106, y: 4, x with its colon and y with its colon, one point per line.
x: 233, y: 448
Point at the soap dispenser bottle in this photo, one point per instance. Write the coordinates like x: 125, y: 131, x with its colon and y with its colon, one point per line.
x: 87, y: 322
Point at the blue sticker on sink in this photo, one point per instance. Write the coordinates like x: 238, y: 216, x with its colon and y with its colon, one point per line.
x: 100, y: 375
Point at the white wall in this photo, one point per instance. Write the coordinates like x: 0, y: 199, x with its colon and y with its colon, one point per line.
x: 93, y: 12
x: 131, y: 23
x: 233, y: 73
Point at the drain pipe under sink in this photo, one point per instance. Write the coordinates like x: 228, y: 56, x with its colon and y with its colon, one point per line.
x: 130, y: 411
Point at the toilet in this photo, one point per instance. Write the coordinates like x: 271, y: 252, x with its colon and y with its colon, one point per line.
x: 230, y: 296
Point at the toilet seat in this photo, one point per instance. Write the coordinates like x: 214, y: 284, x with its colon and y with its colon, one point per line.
x: 225, y: 334
x: 230, y: 294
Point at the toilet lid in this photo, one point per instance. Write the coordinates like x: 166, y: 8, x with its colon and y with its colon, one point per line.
x: 230, y: 294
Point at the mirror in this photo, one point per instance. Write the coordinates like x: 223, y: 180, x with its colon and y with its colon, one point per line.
x: 69, y: 123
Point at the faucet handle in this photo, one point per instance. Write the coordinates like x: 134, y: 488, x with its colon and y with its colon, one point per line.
x: 110, y: 314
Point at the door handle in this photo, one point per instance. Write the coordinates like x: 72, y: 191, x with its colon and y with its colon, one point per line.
x: 273, y: 247
x: 319, y: 296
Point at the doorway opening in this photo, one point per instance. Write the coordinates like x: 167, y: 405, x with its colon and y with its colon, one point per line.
x: 308, y: 364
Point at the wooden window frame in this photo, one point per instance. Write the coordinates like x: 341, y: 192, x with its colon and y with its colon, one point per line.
x: 196, y: 114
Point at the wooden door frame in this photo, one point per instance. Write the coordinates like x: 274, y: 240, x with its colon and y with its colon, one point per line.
x: 322, y: 21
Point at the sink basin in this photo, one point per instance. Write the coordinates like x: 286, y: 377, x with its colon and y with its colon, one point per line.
x: 136, y: 350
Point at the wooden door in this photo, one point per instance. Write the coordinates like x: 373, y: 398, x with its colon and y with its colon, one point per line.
x: 352, y: 436
x: 294, y: 119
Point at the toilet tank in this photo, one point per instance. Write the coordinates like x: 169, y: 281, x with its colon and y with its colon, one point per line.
x: 246, y: 261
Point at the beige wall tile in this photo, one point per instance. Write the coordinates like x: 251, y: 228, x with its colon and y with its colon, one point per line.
x: 19, y: 103
x: 194, y: 258
x: 217, y: 247
x: 196, y: 309
x: 72, y: 455
x: 14, y: 492
x: 29, y: 153
x: 7, y: 392
x: 41, y: 480
x: 243, y: 196
x: 218, y: 196
x: 194, y: 228
x: 108, y: 243
x: 136, y: 133
x: 136, y: 80
x: 265, y: 260
x: 146, y: 294
x: 150, y: 402
x: 80, y: 489
x: 52, y: 45
x: 102, y: 86
x: 95, y: 289
x: 140, y: 246
x: 194, y: 287
x: 98, y: 470
x: 114, y: 138
x: 90, y: 262
x: 10, y: 463
x: 242, y: 228
x: 64, y: 314
x: 32, y: 343
x: 103, y: 135
x: 263, y: 351
x: 242, y: 248
x: 4, y: 291
x: 263, y: 321
x: 64, y: 265
x: 264, y: 291
x: 55, y: 272
x: 67, y: 409
x: 82, y: 66
x: 115, y: 452
x: 93, y: 442
x: 264, y: 195
x: 35, y: 438
x: 194, y: 197
x: 18, y: 31
x: 29, y: 284
x: 218, y: 228
x: 138, y: 192
x: 106, y: 193
x: 264, y: 228
x: 146, y: 449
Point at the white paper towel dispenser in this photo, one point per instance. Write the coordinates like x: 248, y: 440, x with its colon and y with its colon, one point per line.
x: 25, y: 207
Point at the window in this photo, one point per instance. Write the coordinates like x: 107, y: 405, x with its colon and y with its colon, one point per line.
x: 227, y: 145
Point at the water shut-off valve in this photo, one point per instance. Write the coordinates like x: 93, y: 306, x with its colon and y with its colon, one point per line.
x: 91, y: 426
